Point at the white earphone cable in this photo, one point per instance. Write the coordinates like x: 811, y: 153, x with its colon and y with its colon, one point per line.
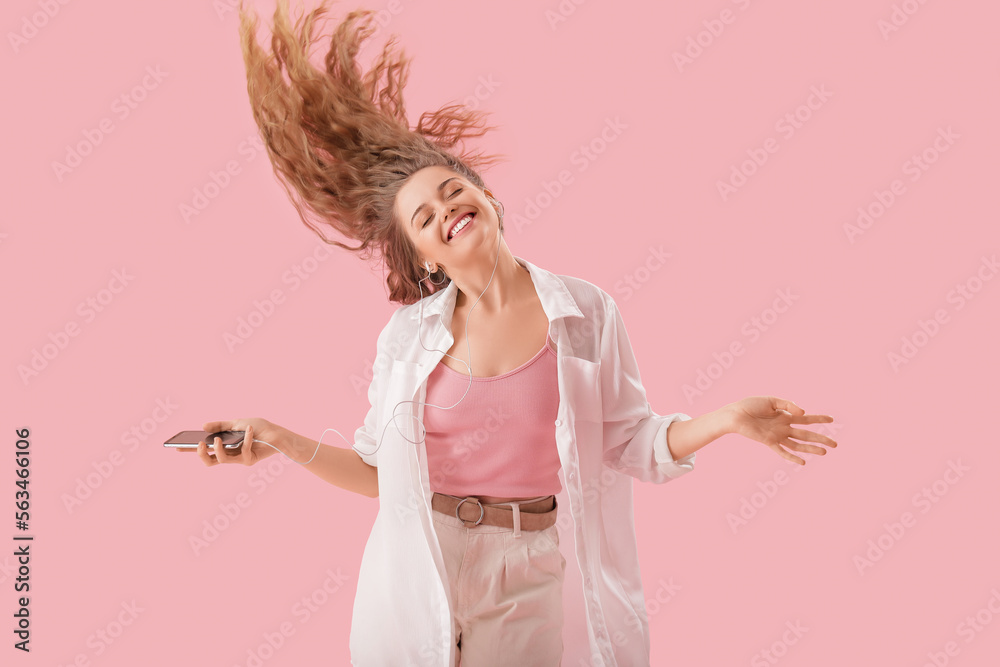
x: 469, y: 366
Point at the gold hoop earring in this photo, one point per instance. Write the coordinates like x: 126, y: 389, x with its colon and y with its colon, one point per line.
x: 430, y: 273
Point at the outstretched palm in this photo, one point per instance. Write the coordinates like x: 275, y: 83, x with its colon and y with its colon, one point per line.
x: 769, y: 419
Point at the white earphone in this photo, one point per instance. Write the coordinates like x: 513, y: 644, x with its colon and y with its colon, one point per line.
x: 469, y: 365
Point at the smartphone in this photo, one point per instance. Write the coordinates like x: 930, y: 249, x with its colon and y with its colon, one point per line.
x: 230, y: 439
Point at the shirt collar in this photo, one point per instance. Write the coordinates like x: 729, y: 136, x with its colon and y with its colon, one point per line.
x: 552, y: 292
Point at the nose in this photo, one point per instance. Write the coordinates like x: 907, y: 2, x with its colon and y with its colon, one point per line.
x: 449, y: 213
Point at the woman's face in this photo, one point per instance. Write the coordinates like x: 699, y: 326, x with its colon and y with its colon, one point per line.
x: 429, y: 204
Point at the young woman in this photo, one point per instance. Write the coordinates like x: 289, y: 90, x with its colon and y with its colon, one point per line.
x: 476, y: 414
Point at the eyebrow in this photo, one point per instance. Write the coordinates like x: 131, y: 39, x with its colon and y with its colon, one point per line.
x: 440, y: 188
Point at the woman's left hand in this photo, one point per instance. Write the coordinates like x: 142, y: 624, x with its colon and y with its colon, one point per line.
x: 769, y: 419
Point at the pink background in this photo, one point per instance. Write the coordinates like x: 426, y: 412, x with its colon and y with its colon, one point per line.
x: 717, y: 594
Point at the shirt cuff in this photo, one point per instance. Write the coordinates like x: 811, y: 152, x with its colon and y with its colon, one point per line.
x: 668, y: 466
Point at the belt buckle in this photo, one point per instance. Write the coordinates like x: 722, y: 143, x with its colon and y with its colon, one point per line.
x: 482, y: 512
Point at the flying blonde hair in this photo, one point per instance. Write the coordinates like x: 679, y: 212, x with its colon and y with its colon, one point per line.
x: 340, y: 142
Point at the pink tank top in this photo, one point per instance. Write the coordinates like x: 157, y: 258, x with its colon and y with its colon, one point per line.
x: 500, y: 439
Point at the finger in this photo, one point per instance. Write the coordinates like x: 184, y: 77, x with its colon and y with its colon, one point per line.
x: 214, y: 451
x: 787, y: 455
x: 222, y: 455
x: 788, y: 406
x: 802, y: 434
x: 803, y: 447
x: 248, y: 446
x: 215, y: 427
x: 813, y: 419
x: 204, y: 455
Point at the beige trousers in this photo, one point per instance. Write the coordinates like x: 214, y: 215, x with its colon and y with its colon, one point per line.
x: 506, y: 593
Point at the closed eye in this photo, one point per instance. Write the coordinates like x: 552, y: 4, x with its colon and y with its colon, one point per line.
x: 449, y: 197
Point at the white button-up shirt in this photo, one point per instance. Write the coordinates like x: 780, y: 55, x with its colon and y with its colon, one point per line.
x: 606, y: 434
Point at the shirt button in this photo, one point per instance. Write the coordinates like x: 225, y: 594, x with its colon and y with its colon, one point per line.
x: 558, y: 423
x: 572, y: 475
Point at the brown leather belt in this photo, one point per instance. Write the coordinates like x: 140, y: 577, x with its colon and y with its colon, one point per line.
x: 518, y: 515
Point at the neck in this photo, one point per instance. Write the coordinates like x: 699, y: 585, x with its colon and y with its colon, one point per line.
x: 505, y: 288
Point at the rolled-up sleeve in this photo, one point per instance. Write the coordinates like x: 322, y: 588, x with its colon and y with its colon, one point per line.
x: 635, y: 437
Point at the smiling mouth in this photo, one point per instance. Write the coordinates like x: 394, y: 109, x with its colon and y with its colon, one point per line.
x: 461, y: 224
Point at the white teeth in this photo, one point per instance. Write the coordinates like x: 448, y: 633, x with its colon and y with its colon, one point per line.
x: 465, y: 220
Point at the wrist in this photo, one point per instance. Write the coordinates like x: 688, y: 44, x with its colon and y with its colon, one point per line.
x: 724, y: 420
x: 288, y: 443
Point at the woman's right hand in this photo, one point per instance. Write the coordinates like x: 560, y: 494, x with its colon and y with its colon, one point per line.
x: 249, y: 452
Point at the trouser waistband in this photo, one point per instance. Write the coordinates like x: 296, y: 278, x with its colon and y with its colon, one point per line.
x: 530, y: 514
